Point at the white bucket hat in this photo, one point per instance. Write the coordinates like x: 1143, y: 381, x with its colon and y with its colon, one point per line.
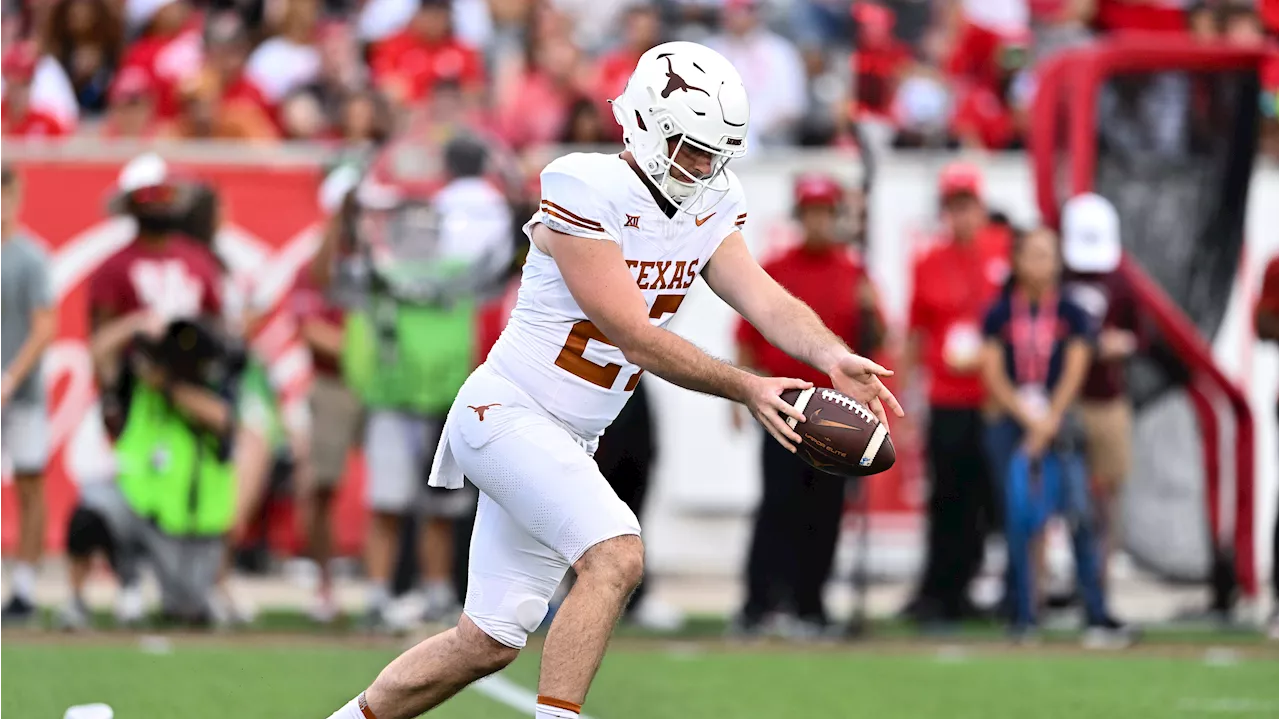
x: 1090, y: 234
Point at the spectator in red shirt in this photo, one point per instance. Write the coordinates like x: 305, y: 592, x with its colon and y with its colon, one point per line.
x: 798, y: 520
x: 878, y: 61
x: 952, y: 284
x: 987, y: 115
x: 170, y: 49
x: 407, y: 65
x: 642, y: 29
x: 533, y: 102
x: 133, y: 97
x: 227, y: 50
x: 221, y: 102
x: 156, y: 278
x: 18, y: 118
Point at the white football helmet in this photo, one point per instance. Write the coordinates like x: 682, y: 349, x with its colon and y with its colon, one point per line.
x: 690, y: 92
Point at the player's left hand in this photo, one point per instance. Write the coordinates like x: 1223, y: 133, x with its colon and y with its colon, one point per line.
x: 859, y: 378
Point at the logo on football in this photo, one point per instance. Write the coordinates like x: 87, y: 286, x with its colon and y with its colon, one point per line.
x: 840, y: 435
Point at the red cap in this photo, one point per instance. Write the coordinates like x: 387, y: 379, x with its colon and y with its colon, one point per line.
x: 132, y: 82
x: 20, y: 62
x: 818, y: 189
x: 960, y: 178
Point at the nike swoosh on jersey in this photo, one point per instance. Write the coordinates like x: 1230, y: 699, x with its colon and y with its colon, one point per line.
x: 700, y: 220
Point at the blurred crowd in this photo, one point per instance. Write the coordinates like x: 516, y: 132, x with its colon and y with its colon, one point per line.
x: 919, y: 73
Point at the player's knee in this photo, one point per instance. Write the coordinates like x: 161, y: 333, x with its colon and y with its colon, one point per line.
x: 488, y: 654
x: 619, y: 562
x: 505, y: 615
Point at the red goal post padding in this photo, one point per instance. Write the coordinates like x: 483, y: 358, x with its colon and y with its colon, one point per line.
x: 1063, y: 151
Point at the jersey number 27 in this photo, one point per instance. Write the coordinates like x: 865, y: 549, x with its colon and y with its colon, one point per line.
x: 572, y: 356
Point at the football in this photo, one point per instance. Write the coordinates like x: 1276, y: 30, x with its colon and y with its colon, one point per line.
x: 841, y: 436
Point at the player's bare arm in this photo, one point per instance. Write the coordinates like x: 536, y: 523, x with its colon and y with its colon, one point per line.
x: 793, y: 327
x: 597, y: 276
x: 44, y: 326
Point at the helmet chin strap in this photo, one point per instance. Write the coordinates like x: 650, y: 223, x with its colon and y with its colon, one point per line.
x: 677, y: 189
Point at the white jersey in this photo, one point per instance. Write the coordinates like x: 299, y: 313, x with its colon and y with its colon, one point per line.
x: 549, y: 347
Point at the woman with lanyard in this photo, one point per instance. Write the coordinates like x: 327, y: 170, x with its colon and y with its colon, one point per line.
x: 1035, y: 357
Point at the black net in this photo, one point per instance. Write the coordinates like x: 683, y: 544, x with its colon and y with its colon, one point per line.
x: 1175, y: 154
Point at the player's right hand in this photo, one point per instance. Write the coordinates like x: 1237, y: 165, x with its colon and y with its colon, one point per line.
x: 762, y: 397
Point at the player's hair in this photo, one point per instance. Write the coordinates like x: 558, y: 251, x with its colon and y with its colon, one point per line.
x: 7, y: 176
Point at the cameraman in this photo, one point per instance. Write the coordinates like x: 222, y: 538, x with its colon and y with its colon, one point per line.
x: 174, y: 458
x: 163, y: 380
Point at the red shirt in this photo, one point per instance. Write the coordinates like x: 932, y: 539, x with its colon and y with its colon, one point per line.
x: 826, y: 280
x: 241, y: 90
x: 1148, y: 15
x: 1269, y: 13
x: 410, y: 59
x: 535, y: 111
x: 877, y: 69
x: 33, y: 123
x: 177, y: 279
x: 975, y: 55
x: 980, y: 112
x: 953, y: 284
x: 169, y: 61
x: 308, y: 301
x: 1046, y: 11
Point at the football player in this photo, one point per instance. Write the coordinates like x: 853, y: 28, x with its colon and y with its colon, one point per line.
x: 616, y: 244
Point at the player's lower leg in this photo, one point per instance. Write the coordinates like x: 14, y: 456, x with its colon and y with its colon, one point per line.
x: 429, y: 673
x: 380, y: 556
x: 607, y: 574
x: 30, y: 489
x: 435, y: 552
x: 316, y: 506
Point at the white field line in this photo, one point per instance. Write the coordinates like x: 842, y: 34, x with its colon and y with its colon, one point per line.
x: 504, y: 691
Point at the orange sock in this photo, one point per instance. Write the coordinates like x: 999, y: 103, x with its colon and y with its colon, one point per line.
x: 552, y: 708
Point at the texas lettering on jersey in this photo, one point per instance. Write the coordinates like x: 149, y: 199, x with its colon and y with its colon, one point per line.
x: 550, y: 348
x: 664, y: 274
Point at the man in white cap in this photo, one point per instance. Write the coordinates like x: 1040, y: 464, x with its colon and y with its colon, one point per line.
x: 1091, y: 251
x: 158, y: 277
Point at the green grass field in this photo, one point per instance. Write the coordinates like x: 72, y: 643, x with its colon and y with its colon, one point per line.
x: 282, y: 678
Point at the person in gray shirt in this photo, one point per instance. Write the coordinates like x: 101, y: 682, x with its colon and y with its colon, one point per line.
x: 28, y: 322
